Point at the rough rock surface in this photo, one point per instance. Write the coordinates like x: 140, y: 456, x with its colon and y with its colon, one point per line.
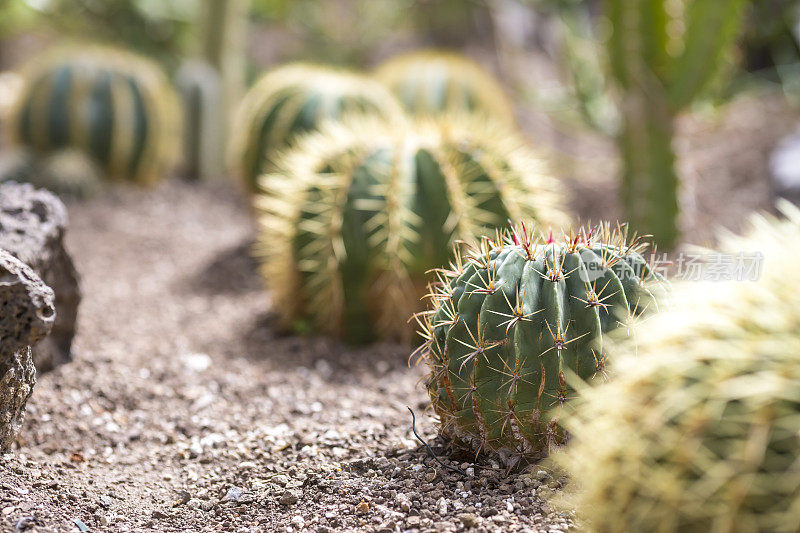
x: 27, y: 314
x: 32, y: 226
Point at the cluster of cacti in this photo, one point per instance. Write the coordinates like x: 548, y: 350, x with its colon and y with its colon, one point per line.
x: 358, y: 213
x: 662, y: 55
x: 699, y: 427
x: 202, y: 97
x: 513, y: 318
x: 114, y: 106
x: 296, y: 99
x: 432, y: 83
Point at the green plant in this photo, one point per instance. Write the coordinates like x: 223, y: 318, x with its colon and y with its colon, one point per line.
x: 296, y: 99
x: 357, y: 214
x: 115, y: 106
x: 662, y: 56
x: 513, y: 317
x: 223, y: 43
x: 159, y: 30
x: 66, y: 172
x: 200, y: 88
x: 432, y: 82
x: 698, y: 430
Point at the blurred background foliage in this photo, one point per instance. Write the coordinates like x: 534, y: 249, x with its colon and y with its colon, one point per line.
x: 357, y: 33
x: 554, y: 57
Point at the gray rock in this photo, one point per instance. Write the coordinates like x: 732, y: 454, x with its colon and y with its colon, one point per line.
x: 32, y: 227
x: 27, y: 314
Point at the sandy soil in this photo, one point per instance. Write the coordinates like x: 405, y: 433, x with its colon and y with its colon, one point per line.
x: 185, y: 411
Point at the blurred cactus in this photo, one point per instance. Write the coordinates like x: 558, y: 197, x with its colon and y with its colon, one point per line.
x: 662, y: 55
x: 372, y: 205
x: 295, y: 99
x: 432, y: 82
x: 224, y: 46
x: 200, y: 88
x: 115, y: 106
x: 512, y: 317
x: 699, y: 429
x: 66, y: 172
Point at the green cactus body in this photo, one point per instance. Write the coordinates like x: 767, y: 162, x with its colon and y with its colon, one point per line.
x: 371, y: 206
x: 432, y: 83
x: 296, y: 99
x: 115, y: 106
x: 698, y: 428
x: 200, y: 88
x: 662, y: 56
x: 514, y: 319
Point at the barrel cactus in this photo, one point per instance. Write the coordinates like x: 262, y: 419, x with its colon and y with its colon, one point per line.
x: 514, y: 318
x: 433, y: 82
x: 700, y: 430
x: 371, y: 206
x: 115, y: 106
x: 296, y: 99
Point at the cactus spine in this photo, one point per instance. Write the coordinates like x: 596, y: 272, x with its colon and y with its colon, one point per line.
x: 296, y: 99
x: 372, y: 205
x: 432, y: 82
x: 513, y: 318
x: 698, y: 429
x: 662, y: 55
x: 115, y: 106
x: 203, y: 120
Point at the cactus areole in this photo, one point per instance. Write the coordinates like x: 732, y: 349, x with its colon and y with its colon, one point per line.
x: 513, y: 317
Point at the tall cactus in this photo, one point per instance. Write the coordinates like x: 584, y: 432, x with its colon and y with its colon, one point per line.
x: 662, y: 55
x: 358, y: 212
x: 204, y: 132
x: 223, y: 46
x: 116, y: 107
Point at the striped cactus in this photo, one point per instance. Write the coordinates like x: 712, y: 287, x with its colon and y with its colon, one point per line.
x: 432, y: 82
x: 111, y: 104
x: 295, y: 99
x: 371, y: 206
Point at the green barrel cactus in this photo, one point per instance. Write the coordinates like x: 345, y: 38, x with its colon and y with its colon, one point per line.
x: 296, y: 99
x: 699, y: 428
x: 514, y: 318
x: 432, y: 82
x: 369, y: 206
x: 115, y: 106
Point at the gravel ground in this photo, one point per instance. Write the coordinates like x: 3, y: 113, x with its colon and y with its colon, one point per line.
x: 185, y: 411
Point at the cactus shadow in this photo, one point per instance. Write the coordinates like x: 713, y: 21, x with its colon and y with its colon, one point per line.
x: 232, y: 271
